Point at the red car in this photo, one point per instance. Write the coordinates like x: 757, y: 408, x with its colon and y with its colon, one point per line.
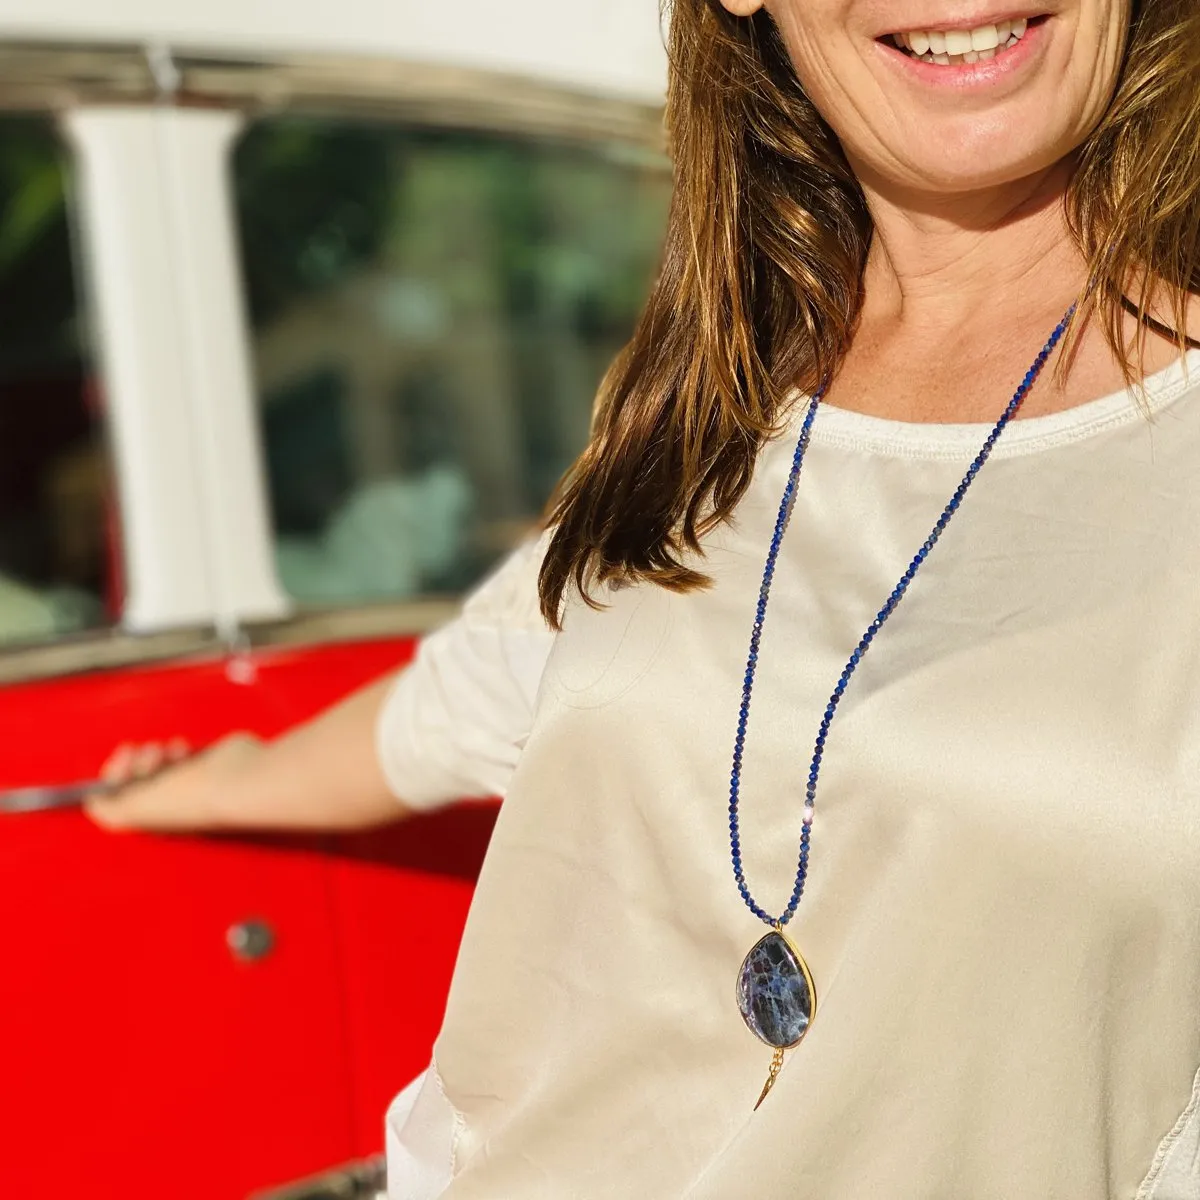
x: 294, y: 345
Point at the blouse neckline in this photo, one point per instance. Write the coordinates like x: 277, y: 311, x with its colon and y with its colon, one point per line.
x: 845, y: 429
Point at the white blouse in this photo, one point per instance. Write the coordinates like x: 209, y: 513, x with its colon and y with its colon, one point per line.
x: 454, y: 722
x: 1003, y: 906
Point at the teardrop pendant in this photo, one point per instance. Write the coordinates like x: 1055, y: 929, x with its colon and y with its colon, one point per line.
x: 775, y: 992
x: 776, y: 998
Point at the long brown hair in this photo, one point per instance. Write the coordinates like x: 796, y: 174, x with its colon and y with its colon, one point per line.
x: 761, y: 278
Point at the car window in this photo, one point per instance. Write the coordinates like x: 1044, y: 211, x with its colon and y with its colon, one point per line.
x: 58, y: 571
x: 431, y: 313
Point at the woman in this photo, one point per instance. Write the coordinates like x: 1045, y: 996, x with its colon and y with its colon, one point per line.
x: 977, y: 685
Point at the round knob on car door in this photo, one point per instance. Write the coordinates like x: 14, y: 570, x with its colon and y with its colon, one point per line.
x: 250, y: 940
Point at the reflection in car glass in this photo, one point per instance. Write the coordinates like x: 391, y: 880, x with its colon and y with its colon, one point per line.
x: 432, y: 312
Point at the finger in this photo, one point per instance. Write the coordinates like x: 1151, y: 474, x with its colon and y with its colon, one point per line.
x: 177, y: 750
x: 148, y: 759
x: 138, y: 805
x: 119, y: 767
x: 107, y: 813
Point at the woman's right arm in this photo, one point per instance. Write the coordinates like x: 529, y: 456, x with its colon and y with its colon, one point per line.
x: 449, y: 726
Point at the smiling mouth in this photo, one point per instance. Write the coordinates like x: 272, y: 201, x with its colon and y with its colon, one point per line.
x: 955, y: 47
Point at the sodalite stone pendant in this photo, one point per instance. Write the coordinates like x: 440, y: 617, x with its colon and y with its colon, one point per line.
x: 775, y: 992
x: 776, y: 997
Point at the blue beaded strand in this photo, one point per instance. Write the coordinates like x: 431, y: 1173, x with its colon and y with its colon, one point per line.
x: 786, y: 504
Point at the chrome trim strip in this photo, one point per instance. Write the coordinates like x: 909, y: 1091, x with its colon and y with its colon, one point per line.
x: 408, y: 618
x: 77, y: 654
x: 54, y: 76
x: 425, y: 93
x: 49, y: 75
x: 84, y: 653
x: 47, y: 797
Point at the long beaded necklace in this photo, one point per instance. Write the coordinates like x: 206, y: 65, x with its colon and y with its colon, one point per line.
x: 775, y: 991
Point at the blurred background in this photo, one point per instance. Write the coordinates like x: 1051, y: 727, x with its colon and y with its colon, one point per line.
x: 303, y: 307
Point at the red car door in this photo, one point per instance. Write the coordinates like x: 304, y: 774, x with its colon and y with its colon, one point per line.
x: 173, y: 1007
x: 253, y: 992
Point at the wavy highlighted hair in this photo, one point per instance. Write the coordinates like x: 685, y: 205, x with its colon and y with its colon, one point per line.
x: 761, y: 279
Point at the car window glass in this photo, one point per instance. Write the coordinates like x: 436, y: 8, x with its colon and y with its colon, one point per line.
x: 431, y: 313
x: 58, y: 560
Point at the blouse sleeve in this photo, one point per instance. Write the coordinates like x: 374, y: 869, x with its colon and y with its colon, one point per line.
x: 454, y: 722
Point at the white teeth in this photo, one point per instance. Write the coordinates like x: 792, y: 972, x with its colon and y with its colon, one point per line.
x: 985, y: 38
x: 958, y: 41
x: 961, y: 45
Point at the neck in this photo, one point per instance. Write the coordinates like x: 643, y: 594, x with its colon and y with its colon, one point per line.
x: 964, y: 289
x: 938, y: 264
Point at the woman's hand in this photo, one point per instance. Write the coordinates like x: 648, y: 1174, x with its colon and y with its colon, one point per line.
x: 162, y: 786
x: 323, y: 774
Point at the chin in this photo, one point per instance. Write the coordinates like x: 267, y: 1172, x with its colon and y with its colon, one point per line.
x: 974, y: 156
x: 967, y: 176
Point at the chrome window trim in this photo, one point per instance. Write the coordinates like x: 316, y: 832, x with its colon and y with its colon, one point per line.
x: 116, y: 649
x: 50, y: 76
x: 425, y: 93
x: 53, y: 76
x: 101, y: 650
x: 361, y: 623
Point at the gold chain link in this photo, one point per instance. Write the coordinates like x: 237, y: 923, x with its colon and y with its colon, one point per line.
x: 776, y: 1067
